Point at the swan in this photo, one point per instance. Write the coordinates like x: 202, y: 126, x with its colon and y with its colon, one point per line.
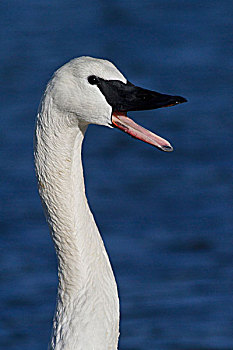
x: 83, y: 91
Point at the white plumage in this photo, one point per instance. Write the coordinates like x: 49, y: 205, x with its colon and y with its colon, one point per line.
x: 83, y: 91
x: 87, y: 311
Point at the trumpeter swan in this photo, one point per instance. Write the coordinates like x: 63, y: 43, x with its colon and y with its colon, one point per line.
x: 85, y: 90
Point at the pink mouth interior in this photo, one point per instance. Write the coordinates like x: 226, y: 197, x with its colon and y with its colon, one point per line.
x: 122, y: 122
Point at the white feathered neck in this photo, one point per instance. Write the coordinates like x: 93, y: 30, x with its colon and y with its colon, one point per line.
x: 87, y: 311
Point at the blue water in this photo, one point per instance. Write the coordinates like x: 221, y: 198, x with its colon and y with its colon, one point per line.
x: 166, y: 218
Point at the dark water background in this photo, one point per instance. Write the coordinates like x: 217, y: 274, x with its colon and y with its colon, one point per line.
x: 166, y: 218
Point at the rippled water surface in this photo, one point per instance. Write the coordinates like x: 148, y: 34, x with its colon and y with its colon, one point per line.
x: 166, y: 218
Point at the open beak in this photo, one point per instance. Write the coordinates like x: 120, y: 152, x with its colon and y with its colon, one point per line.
x: 122, y: 122
x: 128, y: 97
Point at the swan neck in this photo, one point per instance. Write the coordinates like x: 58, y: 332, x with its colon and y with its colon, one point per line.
x: 87, y: 310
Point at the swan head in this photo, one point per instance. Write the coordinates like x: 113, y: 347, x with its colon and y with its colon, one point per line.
x: 94, y: 91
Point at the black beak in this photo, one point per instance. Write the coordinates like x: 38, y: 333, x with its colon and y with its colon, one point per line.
x: 128, y: 97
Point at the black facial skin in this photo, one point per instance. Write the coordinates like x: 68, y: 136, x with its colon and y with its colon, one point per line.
x: 128, y: 97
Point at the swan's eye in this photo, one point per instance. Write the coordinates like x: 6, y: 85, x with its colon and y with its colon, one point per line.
x: 93, y: 80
